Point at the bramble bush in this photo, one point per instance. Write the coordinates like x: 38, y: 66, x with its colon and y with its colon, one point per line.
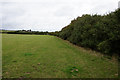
x: 100, y: 33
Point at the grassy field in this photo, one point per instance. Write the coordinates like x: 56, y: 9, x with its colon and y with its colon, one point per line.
x: 44, y: 56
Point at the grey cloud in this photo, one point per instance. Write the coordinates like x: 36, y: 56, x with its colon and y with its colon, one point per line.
x: 119, y: 4
x: 49, y: 15
x: 65, y: 11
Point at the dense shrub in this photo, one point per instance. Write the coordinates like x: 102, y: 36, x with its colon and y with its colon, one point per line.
x: 101, y: 33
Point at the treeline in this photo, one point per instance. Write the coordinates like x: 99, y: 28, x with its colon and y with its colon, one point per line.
x: 100, y: 33
x: 25, y: 32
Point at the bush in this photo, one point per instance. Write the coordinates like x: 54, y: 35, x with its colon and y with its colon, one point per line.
x: 104, y: 47
x: 101, y: 33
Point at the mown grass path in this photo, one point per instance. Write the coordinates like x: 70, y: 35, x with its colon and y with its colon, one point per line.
x: 44, y: 56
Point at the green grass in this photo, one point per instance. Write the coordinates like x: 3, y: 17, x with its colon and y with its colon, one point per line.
x: 44, y: 56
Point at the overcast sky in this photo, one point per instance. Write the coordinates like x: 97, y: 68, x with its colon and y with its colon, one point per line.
x: 49, y: 15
